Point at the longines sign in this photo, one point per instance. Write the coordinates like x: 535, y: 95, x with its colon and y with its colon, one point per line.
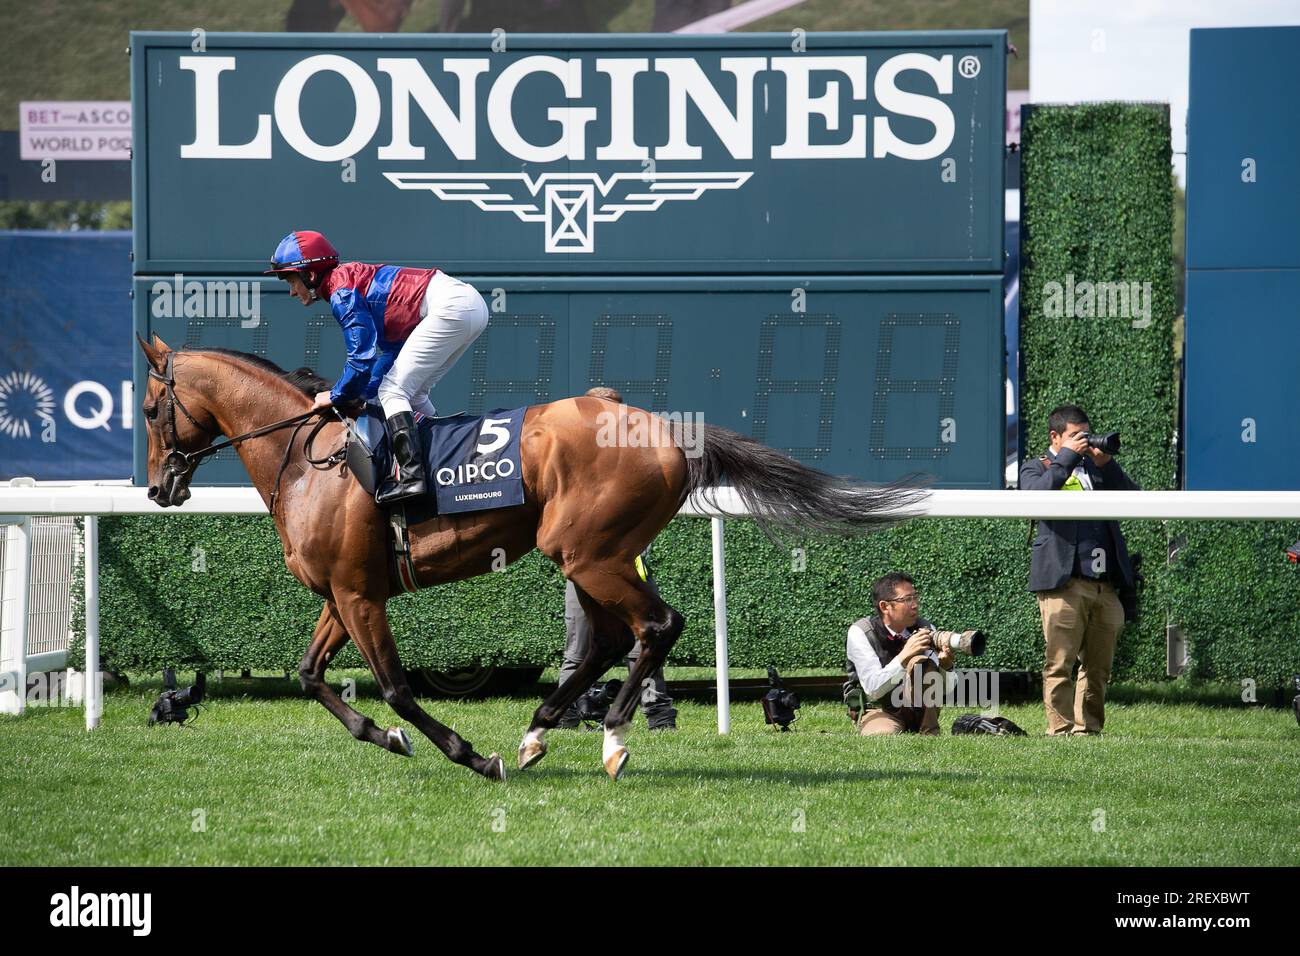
x: 560, y: 154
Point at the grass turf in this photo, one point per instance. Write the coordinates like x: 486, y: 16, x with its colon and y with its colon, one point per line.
x: 265, y: 777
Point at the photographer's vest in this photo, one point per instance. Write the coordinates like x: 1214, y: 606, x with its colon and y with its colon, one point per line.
x: 886, y: 650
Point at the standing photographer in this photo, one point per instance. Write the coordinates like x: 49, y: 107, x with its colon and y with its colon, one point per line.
x: 1074, y: 569
x: 890, y: 648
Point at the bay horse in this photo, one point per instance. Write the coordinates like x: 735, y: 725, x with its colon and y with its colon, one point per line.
x: 591, y: 506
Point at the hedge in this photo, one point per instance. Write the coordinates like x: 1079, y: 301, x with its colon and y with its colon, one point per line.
x: 1097, y: 204
x: 786, y: 607
x: 1237, y: 599
x: 239, y: 607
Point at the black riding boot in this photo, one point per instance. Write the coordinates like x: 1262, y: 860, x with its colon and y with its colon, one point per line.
x: 404, y: 439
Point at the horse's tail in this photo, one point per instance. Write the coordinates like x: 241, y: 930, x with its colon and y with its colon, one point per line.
x: 781, y: 494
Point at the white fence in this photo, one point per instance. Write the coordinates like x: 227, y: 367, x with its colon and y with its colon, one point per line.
x: 55, y: 554
x: 27, y: 503
x: 38, y: 558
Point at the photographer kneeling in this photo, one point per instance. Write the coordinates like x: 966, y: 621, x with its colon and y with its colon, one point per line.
x: 890, y: 655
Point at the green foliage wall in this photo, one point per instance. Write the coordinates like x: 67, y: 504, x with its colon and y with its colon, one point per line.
x: 214, y: 592
x: 1098, y: 207
x: 1237, y: 599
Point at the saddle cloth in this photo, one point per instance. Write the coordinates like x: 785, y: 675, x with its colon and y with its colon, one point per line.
x: 472, y: 461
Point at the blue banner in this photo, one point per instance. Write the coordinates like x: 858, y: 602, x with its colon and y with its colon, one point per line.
x: 66, y: 409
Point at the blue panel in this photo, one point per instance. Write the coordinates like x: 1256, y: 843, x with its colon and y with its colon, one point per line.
x: 1243, y: 107
x: 1243, y: 362
x: 65, y: 358
x: 1242, y: 351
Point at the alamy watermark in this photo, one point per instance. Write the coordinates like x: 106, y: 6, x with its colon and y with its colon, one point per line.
x: 634, y: 428
x: 129, y: 910
x: 177, y: 298
x: 1098, y: 300
x: 54, y: 688
x: 963, y: 688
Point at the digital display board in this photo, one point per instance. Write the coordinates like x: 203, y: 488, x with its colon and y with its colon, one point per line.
x: 869, y: 377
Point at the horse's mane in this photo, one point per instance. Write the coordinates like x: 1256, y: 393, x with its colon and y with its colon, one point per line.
x: 304, y: 379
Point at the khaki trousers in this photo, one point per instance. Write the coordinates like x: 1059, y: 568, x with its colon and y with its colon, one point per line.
x: 905, y: 720
x: 1081, y: 622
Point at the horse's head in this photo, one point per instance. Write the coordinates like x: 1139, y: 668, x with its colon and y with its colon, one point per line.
x: 177, y: 423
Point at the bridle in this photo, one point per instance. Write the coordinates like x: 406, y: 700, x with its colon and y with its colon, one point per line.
x: 181, y: 464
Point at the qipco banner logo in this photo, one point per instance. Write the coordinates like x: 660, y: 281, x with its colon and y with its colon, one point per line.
x: 840, y: 152
x: 56, y: 427
x: 31, y: 410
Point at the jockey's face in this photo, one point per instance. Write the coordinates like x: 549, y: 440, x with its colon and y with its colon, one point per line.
x: 298, y: 289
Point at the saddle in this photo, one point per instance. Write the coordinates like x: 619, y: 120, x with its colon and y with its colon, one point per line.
x: 472, y: 461
x: 364, y: 445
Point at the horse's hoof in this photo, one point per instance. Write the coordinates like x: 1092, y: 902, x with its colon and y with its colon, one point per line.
x: 531, y: 751
x: 615, y: 763
x: 399, y: 743
x: 495, y: 768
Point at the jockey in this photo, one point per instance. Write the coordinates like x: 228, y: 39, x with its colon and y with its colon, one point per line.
x: 403, y: 328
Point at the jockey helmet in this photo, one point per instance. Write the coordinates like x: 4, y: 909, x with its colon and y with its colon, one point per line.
x: 304, y: 251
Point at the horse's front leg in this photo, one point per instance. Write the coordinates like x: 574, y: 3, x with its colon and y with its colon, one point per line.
x: 330, y: 635
x: 366, y: 620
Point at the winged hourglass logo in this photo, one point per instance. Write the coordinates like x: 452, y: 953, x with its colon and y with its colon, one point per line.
x: 570, y: 204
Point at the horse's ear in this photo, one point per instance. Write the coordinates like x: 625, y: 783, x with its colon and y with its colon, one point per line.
x: 155, y: 353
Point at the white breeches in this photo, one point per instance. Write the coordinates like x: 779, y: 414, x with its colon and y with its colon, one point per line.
x: 454, y: 315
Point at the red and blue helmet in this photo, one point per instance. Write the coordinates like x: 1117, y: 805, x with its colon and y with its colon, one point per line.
x: 304, y: 251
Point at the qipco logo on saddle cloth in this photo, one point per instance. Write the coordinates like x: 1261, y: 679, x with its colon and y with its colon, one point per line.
x: 474, y: 461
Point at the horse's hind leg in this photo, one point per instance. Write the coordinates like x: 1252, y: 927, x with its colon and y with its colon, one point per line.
x: 367, y: 622
x: 331, y: 635
x: 655, y: 624
x: 658, y: 636
x: 610, y: 642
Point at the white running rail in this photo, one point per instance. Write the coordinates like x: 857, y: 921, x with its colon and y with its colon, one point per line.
x: 19, y: 505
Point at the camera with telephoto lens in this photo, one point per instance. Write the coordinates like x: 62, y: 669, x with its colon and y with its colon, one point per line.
x: 1108, y: 443
x: 963, y: 642
x: 173, y: 706
x: 594, y: 704
x: 779, y: 704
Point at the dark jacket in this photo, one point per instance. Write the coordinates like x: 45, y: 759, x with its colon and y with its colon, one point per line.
x: 1052, y: 555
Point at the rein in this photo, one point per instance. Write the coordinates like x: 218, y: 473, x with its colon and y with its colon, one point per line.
x: 329, y: 461
x: 182, y: 463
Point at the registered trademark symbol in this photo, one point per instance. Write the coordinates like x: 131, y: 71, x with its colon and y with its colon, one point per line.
x: 969, y: 67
